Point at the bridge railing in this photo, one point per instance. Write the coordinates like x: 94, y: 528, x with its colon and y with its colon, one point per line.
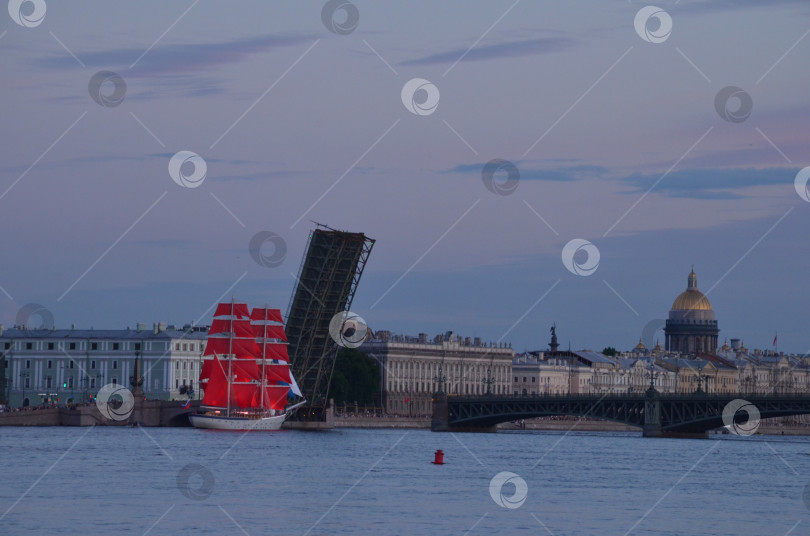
x: 639, y: 395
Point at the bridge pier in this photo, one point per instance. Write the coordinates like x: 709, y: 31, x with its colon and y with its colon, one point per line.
x: 441, y: 419
x: 652, y: 414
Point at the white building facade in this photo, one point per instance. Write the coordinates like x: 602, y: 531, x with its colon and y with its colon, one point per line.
x: 62, y: 366
x: 410, y: 369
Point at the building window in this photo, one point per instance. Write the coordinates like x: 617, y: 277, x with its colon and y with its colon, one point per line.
x: 47, y: 382
x: 137, y: 346
x: 534, y: 380
x: 184, y: 365
x: 115, y: 364
x: 92, y: 383
x: 94, y: 346
x: 8, y: 345
x: 524, y: 381
x: 50, y: 364
x: 177, y: 346
x: 177, y: 365
x: 70, y: 382
x: 516, y: 381
x: 50, y: 346
x: 73, y: 346
x: 93, y: 364
x: 116, y: 346
x: 27, y: 363
x: 29, y: 346
x: 176, y: 384
x: 71, y: 364
x: 27, y: 383
x: 115, y: 381
x: 185, y: 347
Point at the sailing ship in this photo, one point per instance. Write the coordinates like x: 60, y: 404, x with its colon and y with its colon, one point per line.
x: 246, y: 371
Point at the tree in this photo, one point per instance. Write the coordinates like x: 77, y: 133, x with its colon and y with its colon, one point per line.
x: 611, y: 351
x: 356, y: 378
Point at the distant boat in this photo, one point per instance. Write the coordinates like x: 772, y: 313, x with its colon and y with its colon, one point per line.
x: 246, y: 371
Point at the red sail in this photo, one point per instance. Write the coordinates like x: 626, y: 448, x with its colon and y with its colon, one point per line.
x: 275, y: 396
x: 240, y: 328
x: 208, y: 368
x: 277, y: 373
x: 265, y: 315
x: 269, y: 332
x: 244, y: 395
x: 216, y: 384
x: 239, y: 310
x: 244, y: 370
x: 274, y: 350
x: 224, y: 346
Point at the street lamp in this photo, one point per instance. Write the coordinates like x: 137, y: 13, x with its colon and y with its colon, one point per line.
x: 25, y: 375
x: 488, y: 381
x: 701, y: 378
x: 440, y: 379
x: 652, y: 375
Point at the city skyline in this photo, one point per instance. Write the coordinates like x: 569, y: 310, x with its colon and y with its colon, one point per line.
x: 618, y: 141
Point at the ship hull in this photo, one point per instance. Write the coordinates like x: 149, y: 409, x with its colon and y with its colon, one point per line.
x: 215, y: 422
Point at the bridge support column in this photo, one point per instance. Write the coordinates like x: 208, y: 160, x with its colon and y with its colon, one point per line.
x: 441, y: 414
x: 652, y: 414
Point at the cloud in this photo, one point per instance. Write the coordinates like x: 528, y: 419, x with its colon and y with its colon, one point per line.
x: 554, y: 174
x: 707, y: 183
x: 175, y: 59
x: 509, y: 49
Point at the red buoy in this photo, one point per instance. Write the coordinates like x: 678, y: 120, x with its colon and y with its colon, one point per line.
x: 438, y: 457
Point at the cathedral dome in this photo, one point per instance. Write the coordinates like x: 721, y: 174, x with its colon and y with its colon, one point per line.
x: 691, y: 299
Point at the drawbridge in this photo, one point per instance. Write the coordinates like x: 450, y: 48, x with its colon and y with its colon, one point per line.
x: 327, y: 281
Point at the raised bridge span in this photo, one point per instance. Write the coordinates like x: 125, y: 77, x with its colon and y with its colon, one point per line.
x: 654, y: 413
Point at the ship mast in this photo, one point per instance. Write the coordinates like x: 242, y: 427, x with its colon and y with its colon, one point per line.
x: 230, y: 358
x: 264, y: 355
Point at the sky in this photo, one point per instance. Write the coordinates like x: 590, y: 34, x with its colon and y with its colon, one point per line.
x: 609, y: 124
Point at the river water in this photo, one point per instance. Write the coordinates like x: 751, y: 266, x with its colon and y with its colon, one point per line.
x: 106, y: 480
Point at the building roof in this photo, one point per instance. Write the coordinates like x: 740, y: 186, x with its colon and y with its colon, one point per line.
x: 593, y: 357
x: 166, y: 332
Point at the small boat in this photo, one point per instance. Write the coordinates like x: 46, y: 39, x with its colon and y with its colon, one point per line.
x: 246, y: 374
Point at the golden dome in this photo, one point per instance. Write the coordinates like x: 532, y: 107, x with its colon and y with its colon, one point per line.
x: 692, y: 299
